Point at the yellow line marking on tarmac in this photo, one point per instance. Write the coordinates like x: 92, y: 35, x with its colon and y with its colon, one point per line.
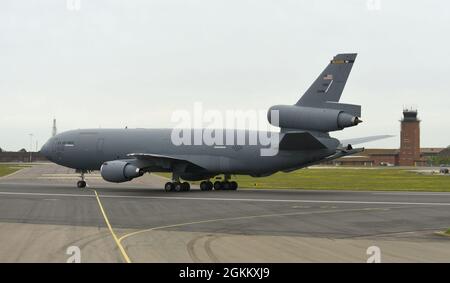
x: 119, y: 245
x: 245, y: 217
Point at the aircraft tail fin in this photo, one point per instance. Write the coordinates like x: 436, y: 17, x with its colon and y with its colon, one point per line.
x: 319, y: 108
x: 329, y: 85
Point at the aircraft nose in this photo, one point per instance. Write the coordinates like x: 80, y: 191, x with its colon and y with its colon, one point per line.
x: 45, y: 150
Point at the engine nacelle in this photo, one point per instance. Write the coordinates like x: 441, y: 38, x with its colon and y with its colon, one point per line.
x: 119, y: 171
x: 311, y: 118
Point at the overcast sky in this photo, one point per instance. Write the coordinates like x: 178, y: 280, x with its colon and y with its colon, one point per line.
x: 131, y: 63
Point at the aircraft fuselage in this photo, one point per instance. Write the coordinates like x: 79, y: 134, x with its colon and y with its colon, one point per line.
x: 89, y: 149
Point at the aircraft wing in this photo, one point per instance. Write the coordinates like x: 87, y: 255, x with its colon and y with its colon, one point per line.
x: 152, y: 156
x: 164, y: 161
x: 300, y: 141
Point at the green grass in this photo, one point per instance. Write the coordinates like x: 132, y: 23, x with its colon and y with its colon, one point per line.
x: 349, y: 179
x: 6, y: 169
x: 447, y: 232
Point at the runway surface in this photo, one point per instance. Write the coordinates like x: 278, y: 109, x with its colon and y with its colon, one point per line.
x: 42, y: 213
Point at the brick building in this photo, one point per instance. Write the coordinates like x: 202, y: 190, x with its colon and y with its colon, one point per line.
x: 445, y: 153
x: 409, y: 154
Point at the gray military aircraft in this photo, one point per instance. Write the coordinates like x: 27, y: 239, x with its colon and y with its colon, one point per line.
x: 124, y: 154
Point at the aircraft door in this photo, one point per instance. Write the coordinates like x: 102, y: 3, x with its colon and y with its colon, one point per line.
x: 54, y: 144
x: 57, y: 148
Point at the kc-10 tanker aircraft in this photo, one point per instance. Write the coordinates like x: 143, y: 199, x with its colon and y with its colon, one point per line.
x: 303, y: 140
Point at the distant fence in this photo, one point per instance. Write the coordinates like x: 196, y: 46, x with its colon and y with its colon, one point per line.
x: 21, y: 157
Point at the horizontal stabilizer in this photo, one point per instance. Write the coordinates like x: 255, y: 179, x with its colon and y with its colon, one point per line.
x: 364, y: 139
x: 300, y: 141
x: 338, y: 154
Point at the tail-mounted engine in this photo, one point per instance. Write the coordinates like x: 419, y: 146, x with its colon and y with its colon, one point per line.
x: 311, y: 118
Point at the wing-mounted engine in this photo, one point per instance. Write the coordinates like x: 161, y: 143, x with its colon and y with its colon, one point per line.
x: 119, y: 171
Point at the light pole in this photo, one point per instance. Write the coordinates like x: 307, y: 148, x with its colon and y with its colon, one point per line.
x: 31, y: 145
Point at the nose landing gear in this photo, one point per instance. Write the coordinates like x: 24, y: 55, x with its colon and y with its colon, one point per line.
x: 82, y: 183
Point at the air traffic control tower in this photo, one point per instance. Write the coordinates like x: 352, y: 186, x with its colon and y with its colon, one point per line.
x: 409, y: 139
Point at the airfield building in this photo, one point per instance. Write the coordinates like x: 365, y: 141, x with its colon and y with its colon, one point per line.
x: 409, y: 154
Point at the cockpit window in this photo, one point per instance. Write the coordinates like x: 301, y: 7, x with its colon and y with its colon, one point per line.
x: 68, y: 143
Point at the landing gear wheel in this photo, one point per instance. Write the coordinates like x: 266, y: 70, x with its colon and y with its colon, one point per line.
x: 178, y: 187
x: 217, y: 185
x: 168, y: 187
x: 225, y: 185
x: 186, y: 187
x: 81, y: 184
x: 233, y: 185
x: 204, y: 186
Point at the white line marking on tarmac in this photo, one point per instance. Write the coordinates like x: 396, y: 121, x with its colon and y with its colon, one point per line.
x: 46, y: 194
x: 240, y: 199
x: 248, y: 217
x: 414, y: 194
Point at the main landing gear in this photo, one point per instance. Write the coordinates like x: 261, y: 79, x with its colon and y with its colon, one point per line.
x: 218, y: 185
x: 82, y: 183
x: 206, y: 186
x: 226, y: 184
x: 177, y: 186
